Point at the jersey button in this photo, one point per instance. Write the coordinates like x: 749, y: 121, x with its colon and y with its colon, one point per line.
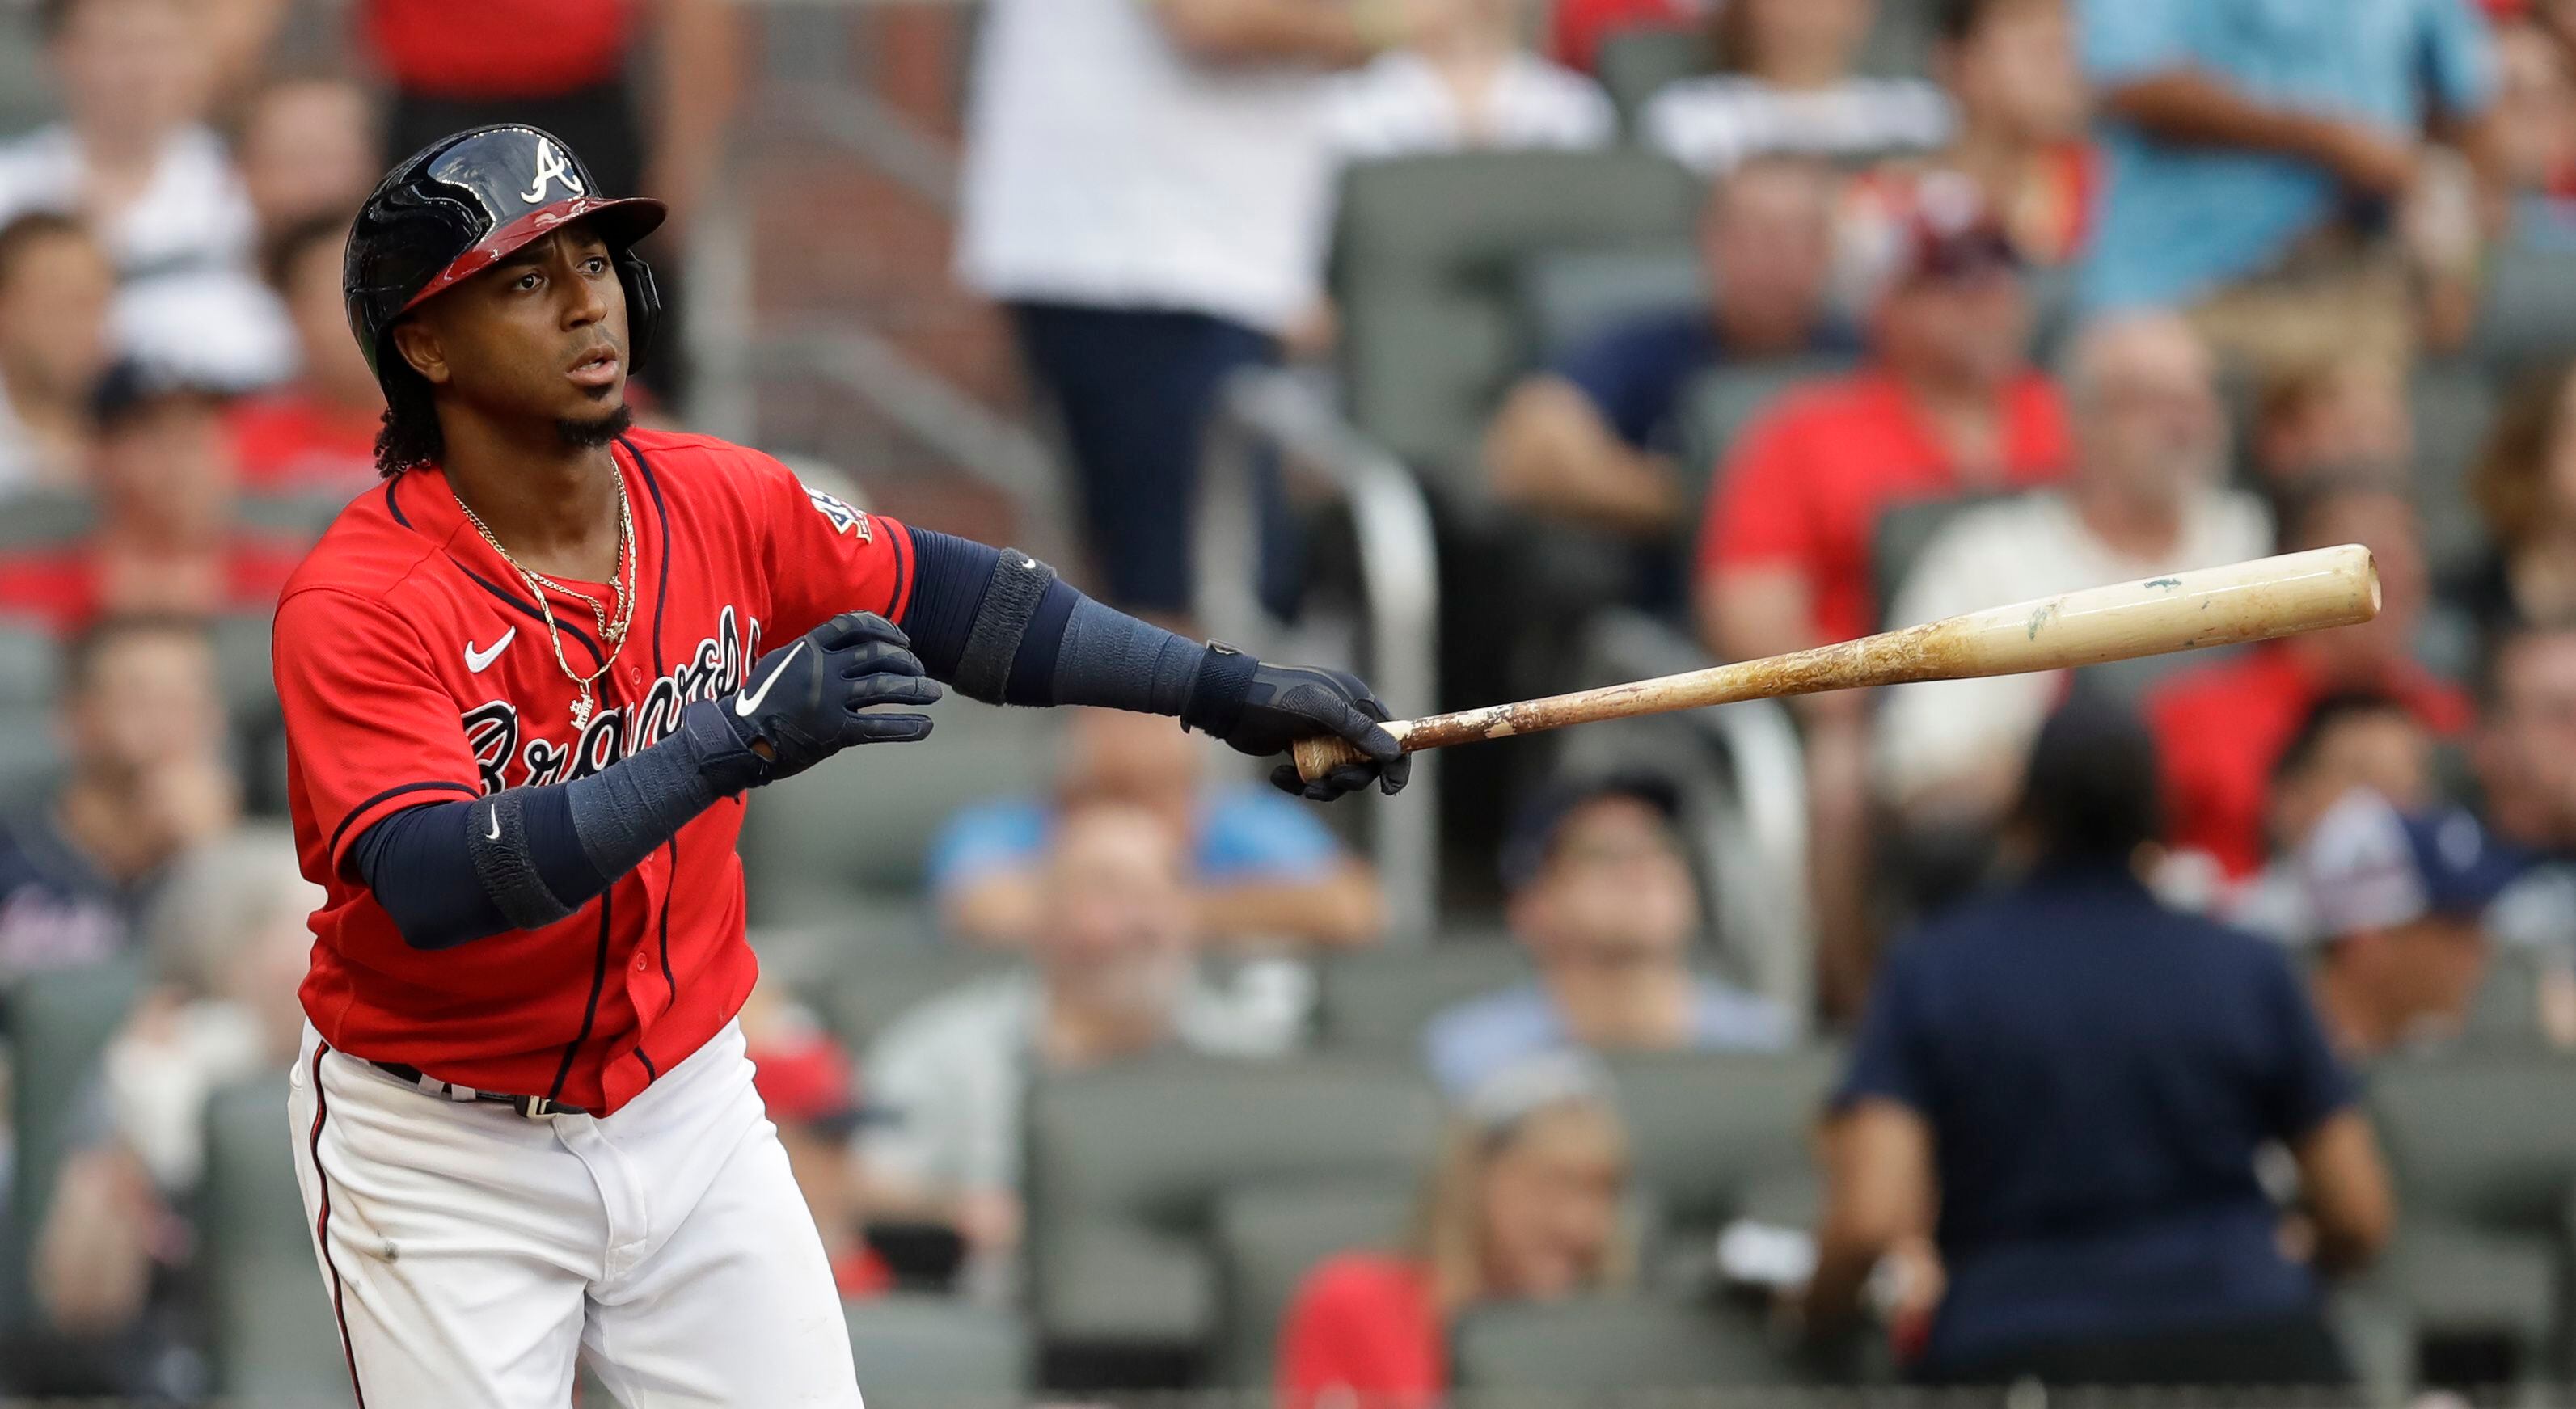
x: 640, y: 964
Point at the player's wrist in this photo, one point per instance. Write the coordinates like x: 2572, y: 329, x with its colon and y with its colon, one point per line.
x: 719, y: 749
x: 1224, y: 680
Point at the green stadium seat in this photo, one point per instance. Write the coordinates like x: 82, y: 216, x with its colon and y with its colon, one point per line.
x: 2482, y: 1145
x: 293, y: 515
x: 869, y: 986
x: 1427, y: 262
x: 1724, y: 1135
x: 268, y: 1312
x: 1127, y: 1167
x: 923, y: 1352
x: 831, y: 846
x: 1377, y: 1002
x: 1632, y: 64
x: 1571, y: 296
x: 58, y: 1023
x: 1721, y: 402
x: 2454, y: 405
x: 1609, y: 1351
x: 2528, y: 315
x: 1269, y: 1237
x: 30, y: 755
x: 34, y: 518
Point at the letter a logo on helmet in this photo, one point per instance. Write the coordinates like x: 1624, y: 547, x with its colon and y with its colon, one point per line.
x: 551, y: 167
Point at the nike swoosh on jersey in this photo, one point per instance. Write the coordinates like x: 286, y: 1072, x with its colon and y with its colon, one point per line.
x: 475, y: 660
x: 750, y: 700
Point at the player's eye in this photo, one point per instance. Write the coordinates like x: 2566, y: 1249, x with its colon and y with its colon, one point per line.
x: 596, y: 264
x: 527, y: 281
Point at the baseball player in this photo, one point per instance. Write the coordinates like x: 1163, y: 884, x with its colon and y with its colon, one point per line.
x: 528, y: 686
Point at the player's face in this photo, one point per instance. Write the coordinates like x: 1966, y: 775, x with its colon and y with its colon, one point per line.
x: 540, y: 337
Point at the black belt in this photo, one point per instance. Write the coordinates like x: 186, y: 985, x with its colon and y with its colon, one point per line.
x: 533, y: 1107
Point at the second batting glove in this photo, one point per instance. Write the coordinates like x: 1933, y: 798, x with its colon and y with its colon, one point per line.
x: 812, y: 698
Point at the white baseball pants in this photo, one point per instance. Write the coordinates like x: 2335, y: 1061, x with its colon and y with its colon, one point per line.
x: 473, y: 1256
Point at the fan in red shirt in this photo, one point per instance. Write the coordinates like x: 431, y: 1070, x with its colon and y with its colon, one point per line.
x: 1577, y: 28
x: 166, y: 542
x: 1952, y: 406
x: 1526, y: 1203
x: 2221, y: 728
x: 319, y: 431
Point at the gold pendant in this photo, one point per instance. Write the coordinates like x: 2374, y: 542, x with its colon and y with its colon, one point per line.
x: 581, y: 711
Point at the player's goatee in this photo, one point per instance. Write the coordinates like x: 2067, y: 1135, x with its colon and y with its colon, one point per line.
x: 594, y: 433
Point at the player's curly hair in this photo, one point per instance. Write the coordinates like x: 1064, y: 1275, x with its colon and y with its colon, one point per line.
x: 410, y: 435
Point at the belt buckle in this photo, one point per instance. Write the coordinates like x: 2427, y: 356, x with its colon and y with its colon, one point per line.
x: 537, y: 1108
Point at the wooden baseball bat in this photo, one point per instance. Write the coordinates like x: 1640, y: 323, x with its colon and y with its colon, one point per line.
x: 2253, y: 601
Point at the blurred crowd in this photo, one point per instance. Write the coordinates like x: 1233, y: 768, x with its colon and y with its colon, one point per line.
x: 2089, y: 291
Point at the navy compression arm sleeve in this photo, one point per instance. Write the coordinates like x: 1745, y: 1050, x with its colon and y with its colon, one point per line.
x: 451, y: 872
x: 1002, y: 628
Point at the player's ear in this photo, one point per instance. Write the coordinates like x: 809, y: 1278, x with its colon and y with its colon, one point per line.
x: 419, y: 347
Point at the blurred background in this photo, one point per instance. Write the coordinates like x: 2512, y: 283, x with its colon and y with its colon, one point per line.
x: 2203, y: 1021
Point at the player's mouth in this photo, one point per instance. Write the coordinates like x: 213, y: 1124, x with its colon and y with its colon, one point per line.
x: 596, y: 369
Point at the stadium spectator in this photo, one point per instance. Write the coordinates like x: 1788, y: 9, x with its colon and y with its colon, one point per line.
x: 317, y: 432
x: 2072, y: 1013
x: 1951, y: 406
x: 1576, y: 28
x: 2243, y: 137
x: 113, y: 1257
x: 1466, y: 85
x: 1594, y: 437
x: 2356, y: 740
x: 141, y: 726
x: 2221, y: 727
x: 2340, y: 414
x: 2525, y: 750
x: 1785, y: 84
x: 1260, y: 868
x: 134, y: 161
x: 55, y: 284
x: 2009, y: 67
x: 2144, y: 496
x: 2535, y: 118
x: 1524, y: 1204
x: 1601, y: 896
x: 812, y: 1095
x: 2524, y: 486
x: 309, y: 147
x: 166, y: 540
x: 1113, y: 978
x: 1145, y: 190
x: 2396, y: 901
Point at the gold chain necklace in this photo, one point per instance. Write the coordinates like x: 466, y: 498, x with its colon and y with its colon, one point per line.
x: 611, y: 632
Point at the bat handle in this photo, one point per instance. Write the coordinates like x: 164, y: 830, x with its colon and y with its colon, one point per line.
x: 1319, y: 754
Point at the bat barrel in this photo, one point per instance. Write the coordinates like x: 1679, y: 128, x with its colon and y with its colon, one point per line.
x: 2251, y: 601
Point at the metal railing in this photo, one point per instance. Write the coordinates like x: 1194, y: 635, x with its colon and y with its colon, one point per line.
x: 1271, y: 413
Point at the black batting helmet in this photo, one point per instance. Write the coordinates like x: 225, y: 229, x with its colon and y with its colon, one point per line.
x: 459, y: 206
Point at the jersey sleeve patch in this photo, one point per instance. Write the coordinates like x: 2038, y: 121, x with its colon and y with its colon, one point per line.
x: 843, y: 517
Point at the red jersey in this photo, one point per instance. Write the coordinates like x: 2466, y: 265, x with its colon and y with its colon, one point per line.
x: 2220, y: 729
x: 1363, y: 1329
x: 414, y: 669
x: 288, y: 442
x: 500, y: 48
x: 65, y: 586
x: 1807, y: 483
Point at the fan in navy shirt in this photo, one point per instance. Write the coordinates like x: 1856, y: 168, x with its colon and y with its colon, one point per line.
x: 1595, y: 437
x: 2054, y: 1107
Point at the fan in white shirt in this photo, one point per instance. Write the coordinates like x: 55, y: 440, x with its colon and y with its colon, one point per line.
x: 1471, y: 86
x: 1790, y: 89
x: 2142, y: 498
x: 134, y: 162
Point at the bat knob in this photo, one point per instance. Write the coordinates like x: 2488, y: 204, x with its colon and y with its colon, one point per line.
x: 1319, y: 754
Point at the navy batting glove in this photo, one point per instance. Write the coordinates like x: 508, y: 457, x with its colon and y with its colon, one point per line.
x: 811, y: 698
x: 1262, y: 709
